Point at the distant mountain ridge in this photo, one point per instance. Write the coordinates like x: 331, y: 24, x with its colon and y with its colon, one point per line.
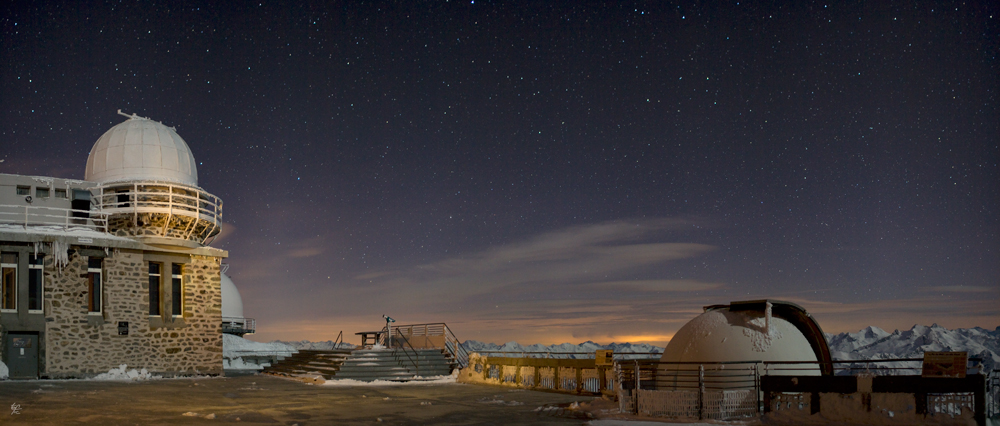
x: 868, y: 343
x: 585, y: 349
x: 876, y: 343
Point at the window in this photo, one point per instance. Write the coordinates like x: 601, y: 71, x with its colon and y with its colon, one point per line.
x: 154, y: 288
x: 61, y: 193
x: 8, y: 269
x: 42, y: 192
x: 177, y: 294
x: 23, y: 190
x: 36, y: 274
x: 94, y: 265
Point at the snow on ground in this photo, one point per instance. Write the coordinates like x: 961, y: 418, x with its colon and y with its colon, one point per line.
x: 4, y: 372
x: 123, y: 374
x: 433, y: 380
x: 610, y: 422
x: 235, y: 346
x: 239, y: 353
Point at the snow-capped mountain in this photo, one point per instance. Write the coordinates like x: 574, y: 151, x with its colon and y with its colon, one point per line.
x: 585, y: 349
x: 866, y: 344
x: 875, y: 343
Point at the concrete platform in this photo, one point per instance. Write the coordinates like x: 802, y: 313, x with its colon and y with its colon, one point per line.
x: 270, y: 400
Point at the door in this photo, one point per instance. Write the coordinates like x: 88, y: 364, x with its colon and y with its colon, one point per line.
x: 21, y: 355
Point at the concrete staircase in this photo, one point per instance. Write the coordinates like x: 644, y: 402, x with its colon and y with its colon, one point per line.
x: 383, y: 364
x: 365, y: 364
x: 310, y: 363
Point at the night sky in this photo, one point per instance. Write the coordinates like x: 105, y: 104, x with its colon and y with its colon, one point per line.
x: 548, y: 172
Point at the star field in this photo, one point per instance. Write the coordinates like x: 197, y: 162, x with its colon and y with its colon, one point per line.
x: 550, y: 172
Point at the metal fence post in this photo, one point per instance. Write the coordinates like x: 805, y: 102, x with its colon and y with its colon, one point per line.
x: 635, y: 399
x: 701, y: 391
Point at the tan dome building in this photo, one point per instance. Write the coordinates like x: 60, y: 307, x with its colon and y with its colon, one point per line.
x: 728, y: 338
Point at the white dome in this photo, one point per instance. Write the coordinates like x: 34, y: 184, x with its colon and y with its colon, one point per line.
x: 141, y: 149
x: 232, y: 303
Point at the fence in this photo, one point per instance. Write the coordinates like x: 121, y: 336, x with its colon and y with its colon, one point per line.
x: 428, y: 336
x: 577, y: 376
x: 54, y: 216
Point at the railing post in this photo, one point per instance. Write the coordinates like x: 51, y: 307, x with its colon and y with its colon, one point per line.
x: 701, y: 391
x: 635, y: 398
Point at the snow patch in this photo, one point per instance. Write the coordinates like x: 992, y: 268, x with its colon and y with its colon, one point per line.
x: 122, y: 373
x: 432, y: 380
x: 4, y: 372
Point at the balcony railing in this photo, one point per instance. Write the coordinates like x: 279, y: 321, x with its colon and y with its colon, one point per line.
x: 238, y: 325
x: 162, y: 198
x: 63, y: 218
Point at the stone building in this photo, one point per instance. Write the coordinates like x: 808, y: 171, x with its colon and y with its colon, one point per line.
x: 113, y: 269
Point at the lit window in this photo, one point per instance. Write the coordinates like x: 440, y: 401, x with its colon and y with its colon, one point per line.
x: 61, y: 193
x: 42, y: 192
x: 23, y: 190
x: 36, y: 274
x: 154, y: 288
x: 8, y: 269
x: 177, y: 292
x: 94, y: 266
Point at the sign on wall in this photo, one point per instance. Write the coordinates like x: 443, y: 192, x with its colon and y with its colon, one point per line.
x: 945, y: 364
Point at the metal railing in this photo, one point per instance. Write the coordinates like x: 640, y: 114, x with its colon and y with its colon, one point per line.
x: 993, y: 394
x: 876, y: 367
x: 27, y: 215
x: 568, y: 355
x: 239, y: 325
x: 390, y: 339
x: 433, y: 335
x: 166, y: 198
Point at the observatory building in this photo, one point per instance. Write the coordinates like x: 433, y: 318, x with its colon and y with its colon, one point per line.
x: 116, y: 268
x: 747, y: 333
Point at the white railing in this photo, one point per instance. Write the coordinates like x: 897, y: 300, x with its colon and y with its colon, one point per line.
x: 27, y: 215
x: 164, y: 198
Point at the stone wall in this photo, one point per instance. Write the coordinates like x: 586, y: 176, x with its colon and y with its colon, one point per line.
x: 80, y: 345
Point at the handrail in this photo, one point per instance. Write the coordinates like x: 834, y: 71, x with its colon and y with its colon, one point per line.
x: 416, y: 366
x: 339, y: 341
x: 26, y: 215
x: 452, y: 345
x: 461, y: 355
x: 586, y: 355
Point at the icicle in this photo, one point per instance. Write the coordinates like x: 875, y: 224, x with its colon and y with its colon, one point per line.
x: 767, y: 319
x: 37, y: 243
x: 106, y: 254
x: 59, y: 254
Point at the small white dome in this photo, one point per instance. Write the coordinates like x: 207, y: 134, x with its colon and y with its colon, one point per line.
x: 232, y: 303
x: 141, y: 149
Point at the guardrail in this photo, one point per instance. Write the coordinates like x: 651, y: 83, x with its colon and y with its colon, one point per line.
x: 239, y: 325
x: 27, y: 215
x: 161, y: 197
x: 432, y: 335
x: 570, y: 355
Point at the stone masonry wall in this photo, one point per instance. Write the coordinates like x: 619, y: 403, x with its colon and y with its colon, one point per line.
x: 197, y: 346
x: 80, y: 345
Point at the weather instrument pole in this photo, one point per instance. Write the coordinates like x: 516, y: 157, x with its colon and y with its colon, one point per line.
x: 388, y: 330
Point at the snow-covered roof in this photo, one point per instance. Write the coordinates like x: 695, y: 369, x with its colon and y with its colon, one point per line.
x: 72, y: 235
x: 141, y: 149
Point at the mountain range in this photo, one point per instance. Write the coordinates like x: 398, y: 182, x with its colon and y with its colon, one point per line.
x: 870, y: 343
